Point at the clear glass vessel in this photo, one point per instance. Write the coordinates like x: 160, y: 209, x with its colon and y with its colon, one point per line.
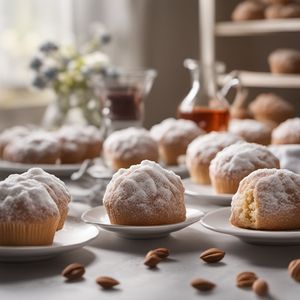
x: 204, y: 104
x: 122, y: 97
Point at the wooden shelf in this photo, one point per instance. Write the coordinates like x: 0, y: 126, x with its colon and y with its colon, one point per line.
x: 261, y: 79
x: 256, y: 27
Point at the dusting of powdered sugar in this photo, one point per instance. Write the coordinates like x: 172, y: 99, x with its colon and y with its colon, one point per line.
x: 26, y: 200
x: 277, y: 190
x: 38, y: 144
x: 10, y: 134
x: 172, y: 130
x: 144, y: 188
x: 86, y: 134
x: 55, y: 187
x: 239, y: 160
x: 128, y: 143
x: 287, y: 132
x: 249, y: 129
x: 207, y: 146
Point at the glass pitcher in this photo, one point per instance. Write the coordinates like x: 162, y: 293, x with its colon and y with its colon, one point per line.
x: 204, y: 104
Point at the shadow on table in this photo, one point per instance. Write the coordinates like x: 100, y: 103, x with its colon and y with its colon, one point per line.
x: 184, y: 241
x: 265, y: 256
x: 25, y: 271
x: 191, y: 240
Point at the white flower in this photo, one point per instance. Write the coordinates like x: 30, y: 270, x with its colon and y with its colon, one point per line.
x: 95, y: 61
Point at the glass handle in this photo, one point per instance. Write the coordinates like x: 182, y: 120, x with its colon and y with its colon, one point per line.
x: 231, y: 81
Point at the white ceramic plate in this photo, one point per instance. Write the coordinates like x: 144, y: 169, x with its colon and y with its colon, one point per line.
x: 218, y: 221
x: 98, y: 216
x: 75, y: 234
x: 206, y: 192
x: 8, y: 168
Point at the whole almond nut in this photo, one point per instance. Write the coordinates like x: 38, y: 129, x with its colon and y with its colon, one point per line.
x: 202, y: 284
x: 294, y: 269
x: 245, y: 279
x: 152, y: 260
x: 212, y: 255
x: 160, y: 252
x: 107, y: 282
x: 260, y: 287
x: 73, y: 271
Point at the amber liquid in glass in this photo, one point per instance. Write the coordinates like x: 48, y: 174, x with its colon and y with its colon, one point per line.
x: 122, y: 103
x: 208, y: 119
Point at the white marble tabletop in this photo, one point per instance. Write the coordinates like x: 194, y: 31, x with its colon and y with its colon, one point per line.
x: 122, y: 259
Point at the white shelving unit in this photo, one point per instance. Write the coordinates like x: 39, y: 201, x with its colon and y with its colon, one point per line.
x: 210, y: 29
x: 260, y: 27
x: 265, y: 79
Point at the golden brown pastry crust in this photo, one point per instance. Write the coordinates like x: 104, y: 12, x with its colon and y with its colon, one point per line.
x: 237, y: 161
x: 201, y: 152
x: 267, y: 199
x: 144, y: 195
x: 287, y: 132
x: 251, y: 131
x: 128, y: 147
x: 248, y: 10
x: 279, y: 11
x: 270, y: 107
x: 173, y: 137
x: 36, y: 148
x: 285, y: 61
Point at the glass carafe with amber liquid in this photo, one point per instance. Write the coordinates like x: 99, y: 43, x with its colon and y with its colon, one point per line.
x: 204, y: 104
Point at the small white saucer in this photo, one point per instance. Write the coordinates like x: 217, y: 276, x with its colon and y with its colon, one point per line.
x: 98, y: 216
x: 218, y: 221
x: 7, y: 168
x: 206, y: 192
x: 75, y: 234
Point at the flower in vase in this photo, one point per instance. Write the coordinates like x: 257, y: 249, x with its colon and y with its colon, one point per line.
x: 69, y: 71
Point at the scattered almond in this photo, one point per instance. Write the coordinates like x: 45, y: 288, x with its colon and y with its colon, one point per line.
x: 73, y: 271
x: 260, y: 287
x: 202, y: 284
x: 160, y: 252
x: 212, y: 255
x: 152, y: 260
x: 245, y: 279
x: 294, y: 269
x: 107, y: 282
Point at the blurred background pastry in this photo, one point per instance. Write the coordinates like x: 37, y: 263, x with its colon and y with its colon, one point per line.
x: 248, y: 10
x: 285, y: 61
x: 251, y: 131
x: 79, y: 143
x: 10, y: 134
x: 128, y: 147
x: 173, y: 137
x: 202, y: 150
x: 268, y: 107
x: 237, y: 161
x: 39, y: 147
x: 280, y: 11
x: 287, y: 132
